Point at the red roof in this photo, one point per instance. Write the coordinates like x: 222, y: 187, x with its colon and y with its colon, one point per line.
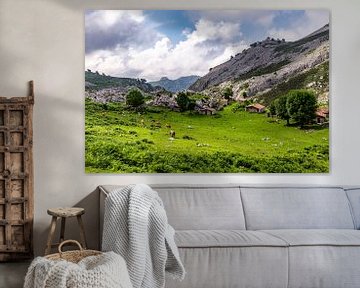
x: 256, y: 105
x: 323, y: 112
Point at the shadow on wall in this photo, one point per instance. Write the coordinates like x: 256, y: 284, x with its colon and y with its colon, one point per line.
x: 57, y: 164
x: 91, y: 217
x: 72, y: 231
x: 16, y: 66
x: 8, y: 86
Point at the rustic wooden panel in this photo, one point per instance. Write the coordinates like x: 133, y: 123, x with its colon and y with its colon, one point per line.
x: 16, y: 177
x: 2, y: 188
x: 2, y: 139
x: 16, y: 162
x: 2, y: 212
x: 17, y: 211
x: 16, y: 139
x: 17, y: 188
x: 17, y: 234
x: 2, y: 118
x: 16, y: 118
x: 2, y: 162
x: 2, y: 235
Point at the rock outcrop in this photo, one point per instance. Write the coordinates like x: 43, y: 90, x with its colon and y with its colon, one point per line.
x: 270, y: 61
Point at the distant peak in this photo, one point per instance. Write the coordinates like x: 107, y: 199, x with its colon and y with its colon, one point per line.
x: 164, y: 78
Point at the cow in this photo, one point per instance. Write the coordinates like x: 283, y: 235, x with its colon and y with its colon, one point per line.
x: 172, y: 133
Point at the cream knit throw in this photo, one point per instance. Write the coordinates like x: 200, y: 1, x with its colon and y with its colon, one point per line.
x: 136, y: 227
x: 103, y: 271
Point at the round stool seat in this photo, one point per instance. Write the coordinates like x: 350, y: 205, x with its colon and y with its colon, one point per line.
x: 66, y: 211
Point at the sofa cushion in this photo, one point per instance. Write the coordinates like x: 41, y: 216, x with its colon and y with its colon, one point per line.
x: 225, y: 267
x: 317, y: 237
x: 296, y: 208
x: 324, y: 266
x: 204, y: 208
x: 322, y: 258
x: 226, y: 238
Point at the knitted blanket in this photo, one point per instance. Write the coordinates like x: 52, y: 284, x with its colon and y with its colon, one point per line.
x: 136, y: 227
x: 103, y: 271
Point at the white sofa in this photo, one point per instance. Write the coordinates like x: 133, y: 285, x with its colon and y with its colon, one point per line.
x: 264, y: 237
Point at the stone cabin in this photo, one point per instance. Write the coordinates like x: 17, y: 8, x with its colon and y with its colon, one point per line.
x: 255, y: 108
x: 322, y: 116
x: 207, y: 111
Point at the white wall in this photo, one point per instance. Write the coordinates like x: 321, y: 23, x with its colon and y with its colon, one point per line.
x: 43, y: 40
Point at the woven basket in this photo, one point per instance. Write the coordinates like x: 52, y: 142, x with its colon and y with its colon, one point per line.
x: 72, y: 256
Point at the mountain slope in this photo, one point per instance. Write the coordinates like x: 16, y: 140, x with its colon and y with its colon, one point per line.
x: 176, y: 85
x: 269, y: 62
x: 96, y: 81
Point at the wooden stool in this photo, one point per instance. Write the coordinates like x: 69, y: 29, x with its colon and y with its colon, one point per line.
x: 64, y: 213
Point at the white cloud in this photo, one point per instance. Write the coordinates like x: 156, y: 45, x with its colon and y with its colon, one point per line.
x: 311, y: 21
x: 210, y: 44
x: 262, y: 17
x: 107, y: 19
x: 106, y: 29
x: 128, y: 44
x: 106, y: 61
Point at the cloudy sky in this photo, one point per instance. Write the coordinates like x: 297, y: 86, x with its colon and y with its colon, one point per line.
x: 151, y: 44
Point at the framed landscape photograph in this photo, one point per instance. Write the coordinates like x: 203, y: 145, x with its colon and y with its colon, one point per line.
x: 212, y: 91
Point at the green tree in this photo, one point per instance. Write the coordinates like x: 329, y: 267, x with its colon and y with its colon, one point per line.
x: 301, y: 106
x: 281, y: 108
x: 135, y: 98
x: 184, y: 102
x: 272, y: 108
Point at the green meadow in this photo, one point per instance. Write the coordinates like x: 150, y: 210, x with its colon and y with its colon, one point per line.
x: 119, y: 140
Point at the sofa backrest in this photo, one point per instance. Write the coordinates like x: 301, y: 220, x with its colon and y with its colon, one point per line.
x: 296, y: 208
x: 197, y: 207
x: 203, y: 208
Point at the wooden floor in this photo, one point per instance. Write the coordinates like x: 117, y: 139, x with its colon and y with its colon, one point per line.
x: 12, y: 274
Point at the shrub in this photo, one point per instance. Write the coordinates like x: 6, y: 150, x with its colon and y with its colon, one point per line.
x: 227, y: 93
x: 134, y: 98
x: 272, y: 109
x: 301, y: 106
x: 136, y: 157
x: 145, y: 140
x: 281, y: 108
x: 184, y: 102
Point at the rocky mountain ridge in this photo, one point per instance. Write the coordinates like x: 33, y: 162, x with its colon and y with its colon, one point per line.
x: 97, y: 81
x: 266, y: 64
x: 263, y: 72
x: 176, y: 85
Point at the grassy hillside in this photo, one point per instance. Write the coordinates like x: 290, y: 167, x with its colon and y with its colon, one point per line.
x: 122, y: 141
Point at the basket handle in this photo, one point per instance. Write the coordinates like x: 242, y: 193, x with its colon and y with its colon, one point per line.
x: 69, y: 241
